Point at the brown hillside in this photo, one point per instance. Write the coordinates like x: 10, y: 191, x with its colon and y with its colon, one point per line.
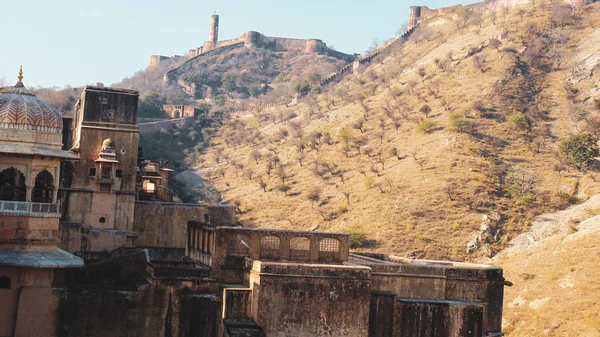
x: 500, y: 104
x: 554, y: 290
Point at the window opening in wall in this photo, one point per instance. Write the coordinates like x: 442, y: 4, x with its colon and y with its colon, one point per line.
x: 118, y: 173
x: 329, y: 245
x: 102, y: 220
x: 4, y: 282
x: 105, y: 173
x: 43, y: 190
x: 92, y: 172
x: 206, y: 218
x: 12, y: 185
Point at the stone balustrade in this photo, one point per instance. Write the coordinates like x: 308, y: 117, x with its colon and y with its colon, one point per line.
x: 28, y: 208
x: 273, y: 245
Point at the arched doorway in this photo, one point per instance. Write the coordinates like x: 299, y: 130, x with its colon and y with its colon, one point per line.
x: 177, y: 114
x: 12, y: 185
x: 43, y: 190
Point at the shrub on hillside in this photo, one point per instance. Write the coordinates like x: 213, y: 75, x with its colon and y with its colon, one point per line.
x: 426, y: 126
x: 519, y: 121
x: 151, y: 105
x: 426, y: 109
x: 459, y: 123
x: 357, y: 237
x: 580, y: 150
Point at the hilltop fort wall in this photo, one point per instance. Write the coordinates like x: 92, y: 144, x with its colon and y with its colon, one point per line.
x: 417, y: 14
x: 252, y: 39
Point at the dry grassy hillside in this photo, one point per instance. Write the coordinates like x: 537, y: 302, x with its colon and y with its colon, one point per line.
x: 555, y: 292
x: 462, y: 120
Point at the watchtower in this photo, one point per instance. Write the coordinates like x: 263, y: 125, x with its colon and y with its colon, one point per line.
x: 414, y: 15
x: 214, y: 30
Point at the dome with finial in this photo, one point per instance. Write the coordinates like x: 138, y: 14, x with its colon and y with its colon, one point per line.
x: 21, y: 109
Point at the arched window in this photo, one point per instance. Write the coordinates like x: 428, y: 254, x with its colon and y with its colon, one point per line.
x: 177, y: 114
x: 43, y: 190
x: 12, y: 185
x: 239, y: 245
x: 329, y: 250
x: 4, y: 282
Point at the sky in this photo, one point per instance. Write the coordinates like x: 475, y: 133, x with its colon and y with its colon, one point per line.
x: 67, y: 42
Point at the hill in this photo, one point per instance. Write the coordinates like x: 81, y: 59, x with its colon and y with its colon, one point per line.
x: 554, y: 292
x: 462, y: 120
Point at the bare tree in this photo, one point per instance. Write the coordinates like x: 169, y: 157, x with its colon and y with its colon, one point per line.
x: 418, y: 159
x: 314, y: 196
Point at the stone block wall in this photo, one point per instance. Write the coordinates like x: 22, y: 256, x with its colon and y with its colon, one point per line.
x: 294, y: 300
x: 163, y: 125
x: 426, y: 318
x: 162, y: 310
x: 164, y: 224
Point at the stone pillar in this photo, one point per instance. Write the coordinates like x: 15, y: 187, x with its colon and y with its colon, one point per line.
x: 214, y: 30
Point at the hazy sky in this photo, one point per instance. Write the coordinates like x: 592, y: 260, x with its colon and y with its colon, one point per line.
x: 63, y: 42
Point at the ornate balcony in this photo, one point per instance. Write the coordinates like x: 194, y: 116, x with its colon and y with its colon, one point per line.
x: 28, y: 208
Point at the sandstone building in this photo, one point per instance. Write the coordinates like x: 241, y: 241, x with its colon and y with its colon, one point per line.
x: 179, y: 111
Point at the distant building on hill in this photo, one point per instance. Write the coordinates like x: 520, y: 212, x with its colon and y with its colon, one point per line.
x: 179, y: 111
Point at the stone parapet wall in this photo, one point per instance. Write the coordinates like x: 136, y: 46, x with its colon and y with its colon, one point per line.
x: 164, y: 125
x: 354, y: 66
x: 290, y: 299
x: 440, y: 281
x: 165, y: 224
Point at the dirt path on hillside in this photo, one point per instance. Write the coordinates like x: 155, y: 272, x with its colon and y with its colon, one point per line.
x: 550, y: 224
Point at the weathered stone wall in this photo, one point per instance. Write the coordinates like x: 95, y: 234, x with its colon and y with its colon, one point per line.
x: 156, y: 60
x: 356, y: 64
x: 228, y: 246
x: 164, y: 125
x: 10, y: 301
x: 75, y: 237
x: 162, y: 224
x: 29, y: 294
x: 443, y: 281
x: 426, y: 318
x: 381, y: 314
x: 163, y: 310
x: 38, y: 312
x: 294, y: 300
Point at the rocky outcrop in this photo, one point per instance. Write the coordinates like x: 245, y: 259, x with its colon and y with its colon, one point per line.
x: 489, y: 232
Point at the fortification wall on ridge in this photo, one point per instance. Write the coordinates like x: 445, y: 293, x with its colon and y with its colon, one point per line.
x: 155, y: 60
x: 165, y: 125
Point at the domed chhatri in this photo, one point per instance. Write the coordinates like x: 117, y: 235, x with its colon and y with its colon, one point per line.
x: 20, y: 109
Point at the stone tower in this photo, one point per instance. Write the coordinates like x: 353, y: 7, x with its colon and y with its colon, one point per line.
x: 101, y: 191
x: 214, y: 30
x: 414, y: 15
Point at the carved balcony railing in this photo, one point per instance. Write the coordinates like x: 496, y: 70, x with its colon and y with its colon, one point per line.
x: 21, y: 207
x: 28, y: 208
x: 38, y: 207
x: 105, y: 181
